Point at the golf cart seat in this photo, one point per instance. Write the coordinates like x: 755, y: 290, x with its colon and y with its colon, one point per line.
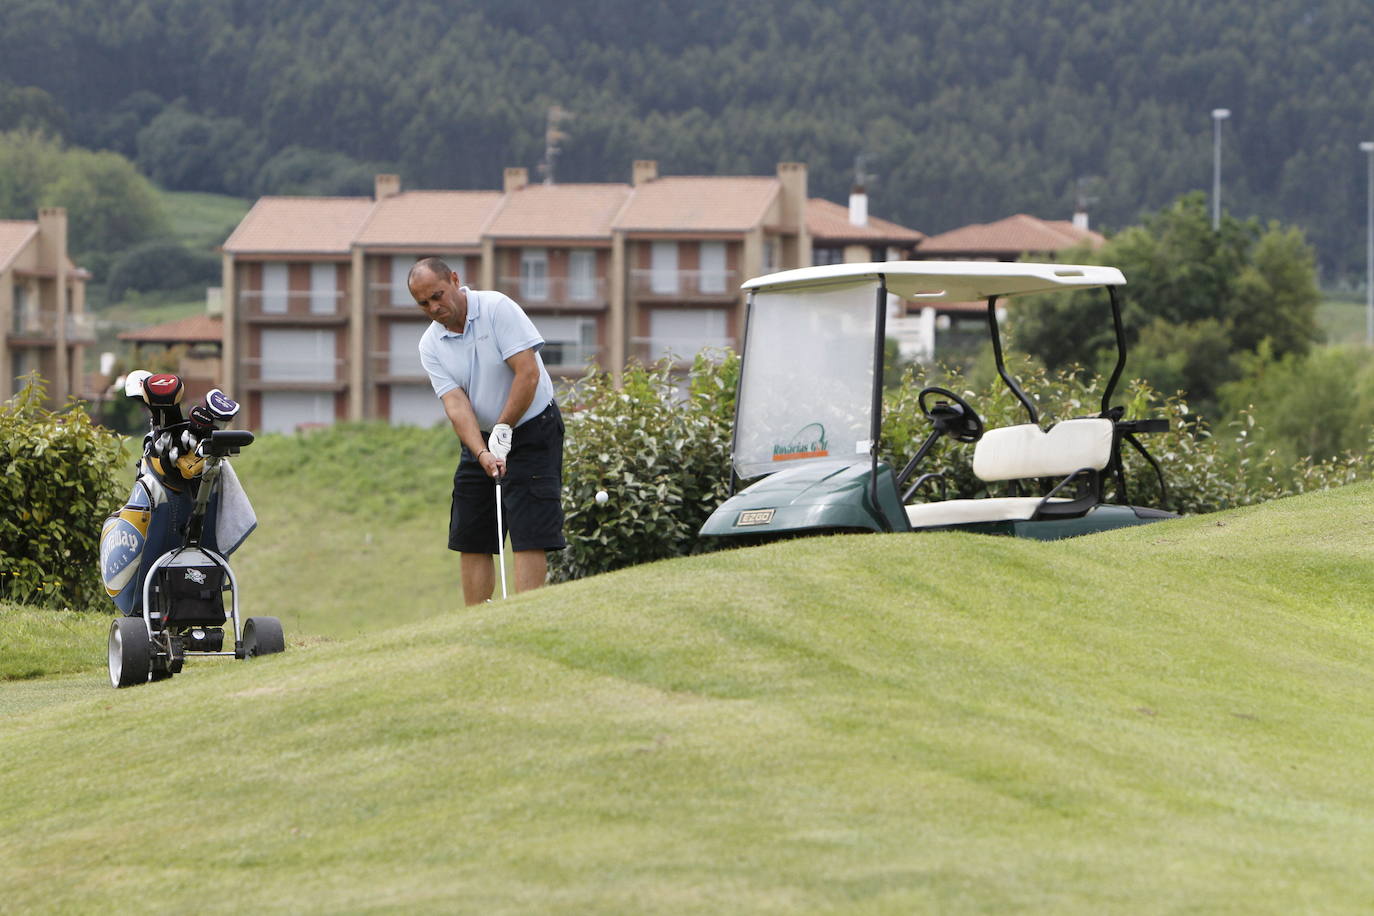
x: 1070, y: 451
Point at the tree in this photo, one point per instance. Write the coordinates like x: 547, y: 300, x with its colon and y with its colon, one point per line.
x: 29, y: 162
x: 185, y: 151
x: 1194, y: 298
x: 110, y: 206
x: 30, y: 108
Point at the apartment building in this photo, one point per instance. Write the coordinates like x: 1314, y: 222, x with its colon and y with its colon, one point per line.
x: 552, y: 249
x: 689, y: 241
x: 290, y: 327
x: 320, y: 327
x: 43, y: 322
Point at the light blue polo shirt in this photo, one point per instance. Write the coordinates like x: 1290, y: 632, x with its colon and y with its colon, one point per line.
x: 475, y: 360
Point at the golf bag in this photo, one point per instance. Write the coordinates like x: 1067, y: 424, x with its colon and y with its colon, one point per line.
x: 158, y: 516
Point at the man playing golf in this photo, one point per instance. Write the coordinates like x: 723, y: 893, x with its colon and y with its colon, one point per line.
x: 482, y: 356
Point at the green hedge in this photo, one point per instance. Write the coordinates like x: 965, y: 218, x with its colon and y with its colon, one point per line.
x: 660, y: 453
x: 60, y: 476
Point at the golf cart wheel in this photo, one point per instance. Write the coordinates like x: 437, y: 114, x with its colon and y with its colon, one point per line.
x: 131, y: 654
x: 262, y: 636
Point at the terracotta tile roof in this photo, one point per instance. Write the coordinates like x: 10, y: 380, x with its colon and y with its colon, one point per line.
x: 827, y: 221
x: 699, y: 204
x: 196, y: 329
x: 561, y: 211
x: 14, y: 235
x: 452, y: 219
x: 1012, y: 236
x: 300, y: 225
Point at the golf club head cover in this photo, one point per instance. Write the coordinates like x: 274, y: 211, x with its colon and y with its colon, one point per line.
x: 201, y: 422
x: 133, y: 384
x: 221, y: 407
x: 163, y: 393
x: 499, y: 443
x: 164, y: 390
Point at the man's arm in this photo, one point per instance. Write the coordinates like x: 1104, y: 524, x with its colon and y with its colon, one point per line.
x: 522, y: 387
x: 464, y: 420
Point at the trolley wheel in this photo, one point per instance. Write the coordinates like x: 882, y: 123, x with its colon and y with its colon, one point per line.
x: 262, y: 636
x: 131, y: 654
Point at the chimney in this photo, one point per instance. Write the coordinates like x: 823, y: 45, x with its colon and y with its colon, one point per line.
x: 52, y: 235
x: 1080, y: 220
x: 387, y: 186
x: 793, y: 178
x: 858, y: 206
x: 516, y: 178
x: 645, y: 170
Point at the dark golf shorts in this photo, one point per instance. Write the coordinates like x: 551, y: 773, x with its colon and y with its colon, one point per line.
x: 531, y: 492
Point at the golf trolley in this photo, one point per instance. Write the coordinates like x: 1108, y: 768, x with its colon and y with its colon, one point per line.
x: 808, y: 416
x: 163, y: 555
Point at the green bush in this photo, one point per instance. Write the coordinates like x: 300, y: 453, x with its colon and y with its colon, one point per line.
x: 161, y: 266
x: 59, y: 479
x: 662, y: 460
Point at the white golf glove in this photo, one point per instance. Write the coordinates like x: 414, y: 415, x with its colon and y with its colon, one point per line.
x: 499, y: 443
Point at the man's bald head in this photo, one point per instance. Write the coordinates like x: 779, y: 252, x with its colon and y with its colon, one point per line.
x: 435, y: 267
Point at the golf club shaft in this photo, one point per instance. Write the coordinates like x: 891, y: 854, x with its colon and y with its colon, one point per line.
x: 500, y: 540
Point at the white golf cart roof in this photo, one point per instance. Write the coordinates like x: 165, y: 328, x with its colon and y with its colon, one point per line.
x: 947, y: 281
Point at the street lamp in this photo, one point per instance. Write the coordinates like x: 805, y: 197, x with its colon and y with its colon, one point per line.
x: 1368, y: 147
x: 1218, y: 115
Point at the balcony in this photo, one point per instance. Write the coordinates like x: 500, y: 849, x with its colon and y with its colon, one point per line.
x: 40, y: 326
x: 685, y: 285
x: 379, y: 301
x: 297, y: 307
x: 300, y: 374
x: 682, y: 349
x: 398, y: 368
x: 586, y: 294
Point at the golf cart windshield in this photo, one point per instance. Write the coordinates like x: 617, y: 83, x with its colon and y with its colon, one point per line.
x: 809, y: 385
x: 806, y: 386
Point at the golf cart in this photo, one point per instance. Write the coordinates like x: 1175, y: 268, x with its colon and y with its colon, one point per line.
x: 808, y: 416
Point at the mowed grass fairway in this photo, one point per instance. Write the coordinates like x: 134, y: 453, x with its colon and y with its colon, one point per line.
x: 1170, y: 718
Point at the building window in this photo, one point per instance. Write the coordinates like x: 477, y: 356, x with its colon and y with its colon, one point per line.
x: 23, y: 362
x: 684, y: 332
x: 276, y: 289
x: 770, y: 255
x: 25, y: 318
x: 534, y: 274
x: 663, y: 263
x: 287, y: 411
x: 415, y: 405
x: 713, y: 267
x: 827, y: 256
x: 324, y: 289
x: 298, y: 355
x: 582, y: 275
x: 400, y: 273
x: 568, y: 341
x: 403, y: 357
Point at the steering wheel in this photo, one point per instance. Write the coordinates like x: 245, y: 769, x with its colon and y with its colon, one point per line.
x: 951, y: 415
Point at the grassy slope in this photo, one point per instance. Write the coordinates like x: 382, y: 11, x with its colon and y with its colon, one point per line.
x: 202, y: 220
x: 1342, y: 321
x: 1166, y: 718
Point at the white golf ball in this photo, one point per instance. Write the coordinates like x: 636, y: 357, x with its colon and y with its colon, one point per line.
x: 601, y: 497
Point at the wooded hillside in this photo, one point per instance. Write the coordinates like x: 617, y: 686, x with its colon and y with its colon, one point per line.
x: 966, y: 110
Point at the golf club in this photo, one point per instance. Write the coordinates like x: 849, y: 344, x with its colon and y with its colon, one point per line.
x: 500, y: 539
